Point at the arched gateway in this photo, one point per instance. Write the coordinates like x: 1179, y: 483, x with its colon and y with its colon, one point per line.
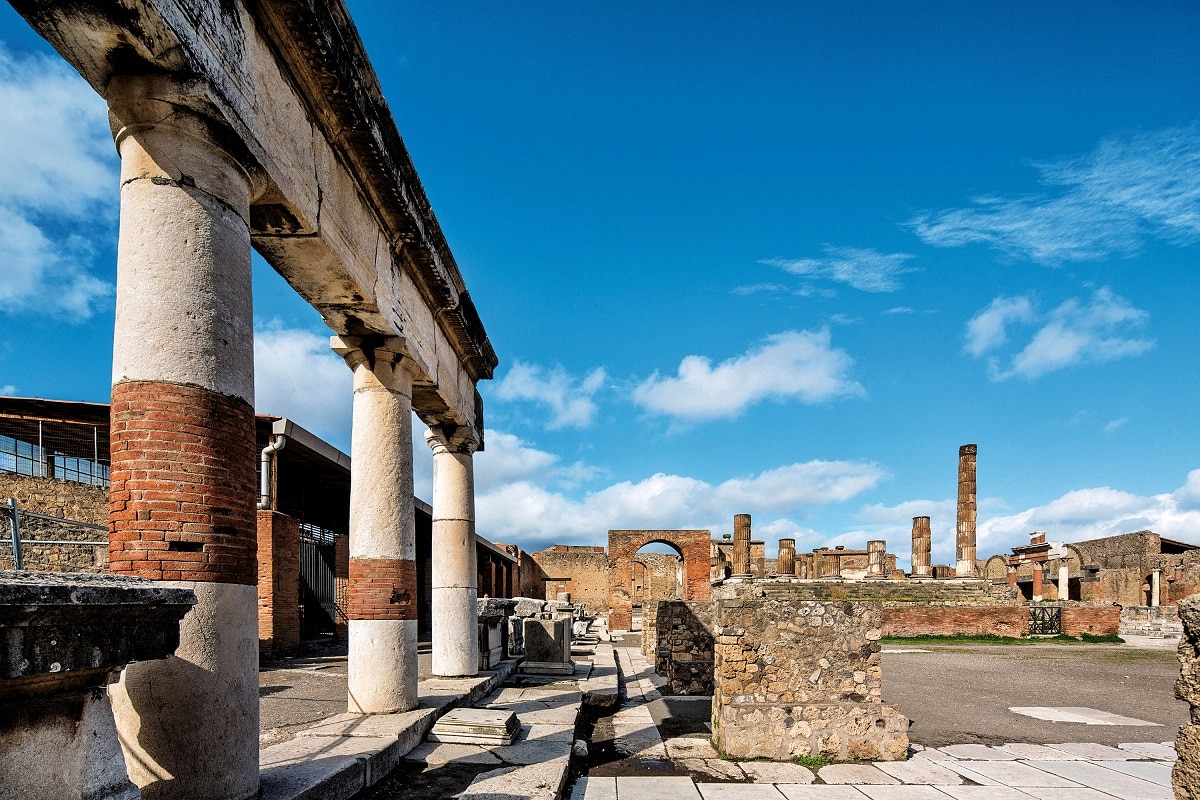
x: 694, y: 546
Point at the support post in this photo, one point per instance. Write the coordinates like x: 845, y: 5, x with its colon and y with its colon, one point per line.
x: 787, y: 558
x: 382, y: 609
x: 1064, y: 580
x: 455, y: 607
x: 965, y: 566
x: 922, y: 545
x: 741, y: 545
x: 1155, y: 588
x: 876, y: 553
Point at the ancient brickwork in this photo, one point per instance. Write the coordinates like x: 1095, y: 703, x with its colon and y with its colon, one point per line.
x: 1185, y: 778
x: 914, y: 591
x: 1099, y: 619
x: 949, y: 619
x: 684, y: 653
x: 183, y: 482
x: 382, y: 588
x: 582, y: 571
x: 802, y: 677
x: 694, y: 545
x: 278, y: 584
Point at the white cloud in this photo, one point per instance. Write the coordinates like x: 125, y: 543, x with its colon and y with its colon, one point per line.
x: 1114, y: 425
x: 8, y: 389
x: 1092, y: 513
x: 899, y: 310
x: 794, y: 364
x: 58, y: 173
x: 1093, y: 331
x: 988, y: 328
x: 569, y: 400
x: 297, y: 376
x: 862, y: 268
x: 529, y: 513
x: 1103, y: 203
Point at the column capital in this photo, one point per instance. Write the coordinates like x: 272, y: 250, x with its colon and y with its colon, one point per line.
x: 378, y: 361
x: 462, y: 439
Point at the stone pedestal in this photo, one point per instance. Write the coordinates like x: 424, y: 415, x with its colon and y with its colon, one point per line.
x: 548, y: 647
x: 63, y: 639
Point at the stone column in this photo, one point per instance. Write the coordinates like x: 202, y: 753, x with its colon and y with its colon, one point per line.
x: 1037, y: 583
x: 876, y: 553
x: 1155, y: 588
x: 965, y: 542
x: 1064, y: 580
x: 787, y: 557
x: 455, y: 567
x: 183, y: 483
x: 922, y: 545
x: 741, y: 545
x: 382, y: 609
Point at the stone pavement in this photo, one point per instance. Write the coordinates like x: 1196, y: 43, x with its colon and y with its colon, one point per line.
x: 1065, y: 771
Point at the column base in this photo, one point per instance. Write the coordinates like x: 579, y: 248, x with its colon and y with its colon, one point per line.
x: 455, y: 633
x: 382, y: 666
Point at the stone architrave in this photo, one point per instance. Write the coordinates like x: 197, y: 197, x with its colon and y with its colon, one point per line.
x: 381, y: 672
x: 741, y: 545
x: 183, y: 483
x: 965, y: 566
x: 922, y: 542
x: 454, y: 570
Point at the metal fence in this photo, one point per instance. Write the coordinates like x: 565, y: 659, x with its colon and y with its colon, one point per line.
x: 28, y: 529
x: 39, y: 448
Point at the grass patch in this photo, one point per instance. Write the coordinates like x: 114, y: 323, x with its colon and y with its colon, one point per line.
x: 812, y: 762
x: 1101, y: 638
x: 958, y: 638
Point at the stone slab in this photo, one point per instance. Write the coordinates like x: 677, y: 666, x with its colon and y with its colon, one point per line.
x: 855, y: 774
x: 319, y: 768
x: 691, y: 747
x: 918, y: 770
x: 1037, y: 752
x: 548, y: 668
x: 1113, y: 783
x: 794, y: 791
x: 710, y: 767
x: 434, y: 753
x: 482, y: 726
x: 1152, y: 771
x: 964, y: 768
x: 738, y: 791
x: 1079, y: 714
x: 391, y: 726
x: 1149, y: 750
x: 589, y: 788
x: 977, y: 752
x: 657, y: 788
x: 1082, y: 793
x: 1094, y: 752
x: 989, y: 792
x: 902, y: 793
x: 777, y: 772
x: 1020, y: 773
x: 542, y: 781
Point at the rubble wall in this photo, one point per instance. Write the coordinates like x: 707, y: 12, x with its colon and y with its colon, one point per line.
x: 684, y: 651
x: 1185, y: 777
x: 56, y: 498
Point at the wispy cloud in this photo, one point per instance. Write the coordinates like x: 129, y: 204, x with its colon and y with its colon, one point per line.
x: 528, y: 512
x: 570, y: 400
x: 58, y: 189
x: 1114, y: 425
x: 861, y: 268
x: 298, y: 377
x: 8, y: 389
x: 1101, y: 204
x: 1099, y: 329
x: 800, y: 365
x: 899, y: 310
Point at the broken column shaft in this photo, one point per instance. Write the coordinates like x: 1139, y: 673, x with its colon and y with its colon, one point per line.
x: 964, y: 566
x: 922, y: 544
x: 787, y: 557
x: 876, y: 554
x: 741, y: 545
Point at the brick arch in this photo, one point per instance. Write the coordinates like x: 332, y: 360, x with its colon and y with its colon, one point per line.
x: 695, y: 548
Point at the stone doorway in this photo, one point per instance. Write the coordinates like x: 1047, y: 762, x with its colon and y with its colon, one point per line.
x: 694, y: 549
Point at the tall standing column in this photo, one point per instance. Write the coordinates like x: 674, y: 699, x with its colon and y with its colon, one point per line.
x: 182, y: 494
x: 787, y: 557
x: 965, y: 542
x: 455, y: 611
x: 382, y: 608
x: 1155, y: 588
x: 922, y: 545
x: 741, y: 545
x: 876, y: 553
x: 1064, y: 580
x: 1037, y: 582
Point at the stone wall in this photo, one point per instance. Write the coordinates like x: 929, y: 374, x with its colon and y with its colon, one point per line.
x: 801, y: 677
x: 582, y: 571
x: 56, y: 498
x: 684, y: 651
x: 1159, y: 621
x: 1185, y: 778
x: 623, y: 545
x: 658, y: 578
x: 898, y: 591
x: 1100, y: 619
x: 950, y: 619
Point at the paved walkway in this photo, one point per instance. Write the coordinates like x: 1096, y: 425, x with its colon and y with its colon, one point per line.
x: 1064, y: 771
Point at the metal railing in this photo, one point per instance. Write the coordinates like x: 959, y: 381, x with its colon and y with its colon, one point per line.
x: 14, y: 525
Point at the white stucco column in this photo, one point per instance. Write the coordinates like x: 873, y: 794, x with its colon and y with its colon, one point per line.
x: 1155, y: 588
x: 1064, y: 580
x: 182, y: 493
x: 455, y: 611
x: 382, y: 609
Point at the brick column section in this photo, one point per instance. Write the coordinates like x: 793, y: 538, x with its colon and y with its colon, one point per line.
x: 741, y: 545
x: 278, y: 583
x: 183, y: 488
x: 382, y: 607
x: 922, y: 546
x: 876, y: 555
x: 965, y: 566
x: 455, y: 560
x: 1037, y: 582
x: 787, y: 557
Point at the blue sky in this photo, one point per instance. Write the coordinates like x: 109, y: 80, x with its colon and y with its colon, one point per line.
x: 779, y: 259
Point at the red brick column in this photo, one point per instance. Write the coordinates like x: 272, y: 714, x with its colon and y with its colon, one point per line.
x: 278, y: 583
